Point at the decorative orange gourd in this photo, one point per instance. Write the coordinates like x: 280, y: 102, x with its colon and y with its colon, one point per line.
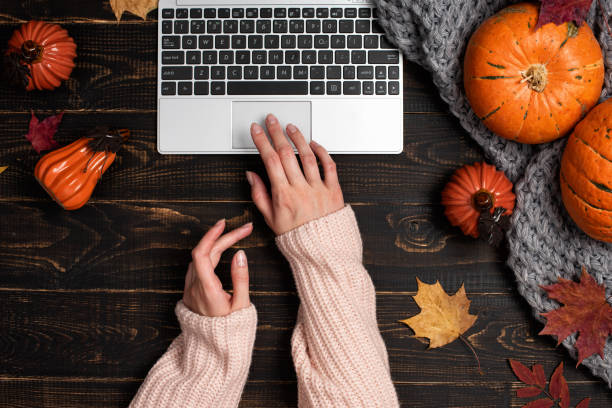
x: 46, y: 50
x: 71, y: 173
x: 531, y: 85
x: 472, y: 190
x: 586, y: 173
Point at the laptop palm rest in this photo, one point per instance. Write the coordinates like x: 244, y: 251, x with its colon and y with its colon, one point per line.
x: 244, y: 113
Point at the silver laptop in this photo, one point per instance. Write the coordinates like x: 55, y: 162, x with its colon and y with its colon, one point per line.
x: 323, y: 66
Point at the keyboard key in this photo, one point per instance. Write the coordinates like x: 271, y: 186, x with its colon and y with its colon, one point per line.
x: 365, y: 72
x: 194, y: 57
x: 338, y: 41
x: 326, y: 57
x: 336, y: 13
x: 190, y: 42
x: 351, y: 88
x: 296, y: 26
x: 168, y: 13
x: 267, y: 72
x: 394, y: 88
x: 321, y: 41
x: 308, y: 13
x: 260, y: 57
x: 213, y: 26
x: 370, y: 41
x: 350, y: 12
x: 334, y: 87
x: 346, y: 26
x: 222, y: 42
x: 224, y: 13
x: 330, y: 26
x: 243, y: 57
x: 317, y: 72
x: 358, y: 57
x: 280, y: 13
x: 166, y: 27
x: 275, y: 57
x: 376, y: 28
x: 226, y: 57
x: 238, y: 13
x: 267, y: 88
x: 362, y: 26
x: 266, y: 13
x: 247, y: 26
x: 251, y: 72
x: 283, y: 72
x: 309, y: 57
x: 210, y: 13
x: 168, y: 88
x: 255, y: 41
x: 292, y: 57
x: 173, y: 57
x: 348, y: 72
x: 217, y: 73
x: 342, y: 57
x: 198, y: 27
x: 230, y: 26
x: 177, y: 73
x: 181, y: 27
x: 317, y: 88
x: 368, y: 88
x: 205, y: 42
x: 264, y: 26
x: 239, y: 42
x: 334, y: 72
x: 313, y: 26
x: 300, y: 72
x: 288, y: 41
x: 304, y: 41
x: 365, y: 12
x: 386, y: 44
x: 394, y: 73
x: 383, y: 57
x: 209, y: 57
x: 322, y: 12
x: 280, y: 26
x: 353, y: 41
x: 184, y: 88
x: 195, y: 13
x: 217, y: 88
x: 200, y: 88
x: 252, y: 12
x: 381, y: 88
x: 272, y: 41
x: 182, y: 13
x: 294, y: 13
x: 234, y: 72
x: 200, y: 73
x: 381, y: 72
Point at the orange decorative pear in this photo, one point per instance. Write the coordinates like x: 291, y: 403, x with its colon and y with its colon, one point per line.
x: 71, y: 173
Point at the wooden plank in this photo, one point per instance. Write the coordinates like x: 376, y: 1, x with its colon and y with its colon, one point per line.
x: 66, y: 393
x: 435, y: 146
x: 147, y: 245
x: 87, y: 11
x: 118, y: 335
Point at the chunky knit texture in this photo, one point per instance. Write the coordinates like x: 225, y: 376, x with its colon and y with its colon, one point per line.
x: 544, y: 242
x: 338, y: 353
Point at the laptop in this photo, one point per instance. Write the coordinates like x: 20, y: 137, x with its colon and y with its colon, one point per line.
x: 324, y: 66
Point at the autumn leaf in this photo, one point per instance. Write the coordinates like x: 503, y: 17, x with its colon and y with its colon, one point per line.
x: 584, y: 403
x: 41, y: 133
x: 540, y: 403
x: 585, y: 311
x: 138, y: 7
x: 535, y: 376
x: 443, y: 318
x: 563, y: 11
x: 558, y: 387
x: 2, y: 168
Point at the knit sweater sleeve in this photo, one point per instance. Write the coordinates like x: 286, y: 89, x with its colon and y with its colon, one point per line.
x: 205, y: 366
x: 338, y: 352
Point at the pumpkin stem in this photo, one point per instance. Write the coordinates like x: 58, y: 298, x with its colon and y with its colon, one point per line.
x: 31, y: 52
x: 536, y: 77
x: 483, y: 200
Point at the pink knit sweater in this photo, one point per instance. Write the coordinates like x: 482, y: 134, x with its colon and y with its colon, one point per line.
x: 338, y: 353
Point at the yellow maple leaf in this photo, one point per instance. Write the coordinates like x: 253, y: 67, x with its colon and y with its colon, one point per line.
x: 443, y: 318
x: 139, y: 7
x: 2, y: 168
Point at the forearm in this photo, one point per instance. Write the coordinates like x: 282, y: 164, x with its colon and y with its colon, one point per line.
x: 339, y: 355
x: 206, y: 366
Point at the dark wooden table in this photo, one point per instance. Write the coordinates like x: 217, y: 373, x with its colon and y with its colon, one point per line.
x: 87, y: 297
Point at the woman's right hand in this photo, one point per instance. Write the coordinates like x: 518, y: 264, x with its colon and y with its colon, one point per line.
x: 296, y: 197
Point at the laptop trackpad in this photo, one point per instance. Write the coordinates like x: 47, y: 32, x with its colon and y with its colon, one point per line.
x: 246, y: 112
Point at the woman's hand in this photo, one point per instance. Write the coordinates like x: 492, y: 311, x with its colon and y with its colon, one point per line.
x: 204, y: 293
x: 296, y: 196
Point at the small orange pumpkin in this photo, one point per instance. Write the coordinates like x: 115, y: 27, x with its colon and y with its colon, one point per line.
x: 472, y: 190
x: 531, y: 85
x: 71, y: 173
x: 586, y: 173
x: 48, y: 52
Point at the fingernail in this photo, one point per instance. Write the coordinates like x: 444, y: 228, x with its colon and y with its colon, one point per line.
x: 241, y: 260
x: 291, y: 128
x: 247, y: 225
x: 221, y: 221
x: 314, y: 143
x: 249, y: 177
x: 256, y: 128
x: 272, y: 119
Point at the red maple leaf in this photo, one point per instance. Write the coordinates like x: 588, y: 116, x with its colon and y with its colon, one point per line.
x: 585, y: 311
x: 563, y: 11
x: 40, y: 133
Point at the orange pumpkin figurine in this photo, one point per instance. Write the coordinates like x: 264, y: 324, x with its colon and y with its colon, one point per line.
x: 586, y: 173
x: 474, y: 190
x: 70, y: 174
x: 527, y: 84
x: 40, y: 55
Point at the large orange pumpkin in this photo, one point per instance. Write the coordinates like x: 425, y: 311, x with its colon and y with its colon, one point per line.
x: 586, y: 173
x: 47, y: 50
x: 71, y: 173
x: 531, y: 85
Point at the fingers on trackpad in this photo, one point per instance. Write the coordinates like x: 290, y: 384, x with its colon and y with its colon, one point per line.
x: 244, y: 113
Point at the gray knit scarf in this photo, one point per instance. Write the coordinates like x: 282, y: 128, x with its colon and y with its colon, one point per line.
x: 544, y: 242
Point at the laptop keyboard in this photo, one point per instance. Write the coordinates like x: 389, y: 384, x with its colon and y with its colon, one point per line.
x: 276, y: 51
